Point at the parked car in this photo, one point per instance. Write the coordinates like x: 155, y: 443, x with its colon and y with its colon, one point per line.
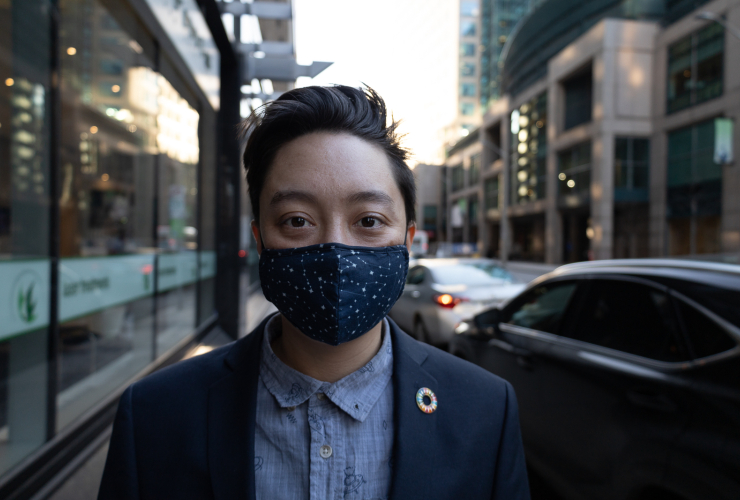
x: 627, y: 375
x: 441, y: 292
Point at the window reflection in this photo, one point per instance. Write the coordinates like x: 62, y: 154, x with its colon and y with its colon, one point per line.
x: 128, y: 139
x: 25, y: 50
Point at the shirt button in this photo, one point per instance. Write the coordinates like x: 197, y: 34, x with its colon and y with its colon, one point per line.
x: 325, y: 451
x: 321, y: 396
x: 290, y: 408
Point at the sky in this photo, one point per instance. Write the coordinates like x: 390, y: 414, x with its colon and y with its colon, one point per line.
x: 405, y: 49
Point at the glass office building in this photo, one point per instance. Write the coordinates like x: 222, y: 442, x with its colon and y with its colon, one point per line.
x: 108, y: 188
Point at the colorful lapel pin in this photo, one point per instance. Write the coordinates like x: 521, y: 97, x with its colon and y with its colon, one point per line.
x: 426, y: 408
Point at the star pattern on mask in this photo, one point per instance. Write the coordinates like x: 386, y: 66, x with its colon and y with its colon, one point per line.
x: 335, y: 293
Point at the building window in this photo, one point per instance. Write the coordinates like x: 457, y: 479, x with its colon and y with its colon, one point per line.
x: 631, y: 169
x: 574, y: 170
x: 467, y: 69
x: 528, y: 162
x: 474, y: 174
x: 694, y: 191
x: 467, y: 28
x: 467, y: 50
x: 695, y: 68
x: 473, y: 218
x: 467, y: 109
x: 467, y: 89
x: 430, y: 218
x: 490, y: 191
x: 578, y: 99
x: 468, y: 8
x: 458, y: 177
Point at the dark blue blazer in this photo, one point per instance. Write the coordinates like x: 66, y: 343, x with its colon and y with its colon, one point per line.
x: 188, y: 431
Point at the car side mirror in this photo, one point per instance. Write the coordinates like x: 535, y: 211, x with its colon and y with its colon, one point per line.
x: 487, y: 321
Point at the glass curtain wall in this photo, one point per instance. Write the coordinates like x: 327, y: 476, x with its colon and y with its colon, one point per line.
x: 529, y: 151
x: 25, y: 71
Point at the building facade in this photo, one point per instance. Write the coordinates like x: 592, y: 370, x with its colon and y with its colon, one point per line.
x: 606, y: 138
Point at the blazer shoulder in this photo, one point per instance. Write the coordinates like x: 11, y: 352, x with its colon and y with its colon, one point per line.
x: 459, y: 372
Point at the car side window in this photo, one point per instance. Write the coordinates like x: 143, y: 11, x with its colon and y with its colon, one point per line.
x: 630, y: 317
x: 541, y: 308
x: 415, y: 276
x: 705, y: 336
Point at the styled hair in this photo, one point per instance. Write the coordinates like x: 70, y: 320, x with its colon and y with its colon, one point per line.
x: 337, y: 109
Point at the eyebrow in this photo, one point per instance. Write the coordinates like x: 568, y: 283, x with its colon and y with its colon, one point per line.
x: 283, y: 196
x: 371, y: 196
x: 359, y: 197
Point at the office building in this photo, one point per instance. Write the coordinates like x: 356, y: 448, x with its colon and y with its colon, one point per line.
x: 613, y: 136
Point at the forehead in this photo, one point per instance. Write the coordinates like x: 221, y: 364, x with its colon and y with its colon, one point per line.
x: 330, y: 166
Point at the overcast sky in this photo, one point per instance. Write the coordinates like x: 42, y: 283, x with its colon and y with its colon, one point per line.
x: 405, y: 49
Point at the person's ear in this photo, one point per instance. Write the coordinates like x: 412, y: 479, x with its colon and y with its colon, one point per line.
x: 410, y: 232
x: 256, y: 234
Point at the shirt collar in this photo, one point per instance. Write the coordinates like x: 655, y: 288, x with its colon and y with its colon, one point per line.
x: 355, y: 394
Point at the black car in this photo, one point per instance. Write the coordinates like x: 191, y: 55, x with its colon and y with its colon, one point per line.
x: 627, y: 375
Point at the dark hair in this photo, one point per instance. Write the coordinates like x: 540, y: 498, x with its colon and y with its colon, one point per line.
x: 323, y: 109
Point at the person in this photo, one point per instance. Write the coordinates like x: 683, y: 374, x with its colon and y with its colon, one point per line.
x: 327, y: 398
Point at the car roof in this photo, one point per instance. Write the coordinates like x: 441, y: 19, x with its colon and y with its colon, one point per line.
x: 712, y: 273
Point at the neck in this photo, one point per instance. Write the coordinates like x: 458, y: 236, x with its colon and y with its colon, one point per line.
x: 321, y: 361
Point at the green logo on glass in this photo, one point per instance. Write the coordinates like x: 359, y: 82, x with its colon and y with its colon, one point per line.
x: 24, y: 295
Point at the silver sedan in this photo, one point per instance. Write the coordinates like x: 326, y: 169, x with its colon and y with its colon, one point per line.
x: 439, y: 293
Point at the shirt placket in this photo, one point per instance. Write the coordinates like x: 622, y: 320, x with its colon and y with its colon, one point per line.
x: 326, y: 452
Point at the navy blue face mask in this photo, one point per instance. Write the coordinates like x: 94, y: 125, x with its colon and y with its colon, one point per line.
x: 331, y: 292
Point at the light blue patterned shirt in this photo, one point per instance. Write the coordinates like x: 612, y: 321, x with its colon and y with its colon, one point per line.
x: 316, y: 440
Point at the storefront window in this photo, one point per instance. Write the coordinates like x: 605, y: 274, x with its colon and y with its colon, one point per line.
x: 25, y: 61
x: 177, y: 266
x: 127, y: 140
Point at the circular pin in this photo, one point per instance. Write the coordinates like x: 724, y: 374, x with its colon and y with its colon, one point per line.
x: 420, y: 395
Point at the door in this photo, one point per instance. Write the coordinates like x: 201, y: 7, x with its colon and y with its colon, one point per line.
x: 611, y: 389
x: 403, y: 311
x: 539, y: 310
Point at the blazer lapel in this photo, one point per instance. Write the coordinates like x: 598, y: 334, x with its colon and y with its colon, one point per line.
x: 232, y: 403
x: 416, y: 448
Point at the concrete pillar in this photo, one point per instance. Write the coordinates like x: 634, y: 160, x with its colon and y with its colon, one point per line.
x: 505, y: 190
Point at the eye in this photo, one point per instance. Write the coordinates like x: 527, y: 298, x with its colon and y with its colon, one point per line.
x: 368, y: 221
x: 297, y: 221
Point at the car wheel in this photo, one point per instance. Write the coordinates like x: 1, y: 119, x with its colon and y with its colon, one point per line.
x: 420, y: 331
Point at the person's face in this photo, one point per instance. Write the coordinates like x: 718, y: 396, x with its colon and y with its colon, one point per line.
x: 331, y: 188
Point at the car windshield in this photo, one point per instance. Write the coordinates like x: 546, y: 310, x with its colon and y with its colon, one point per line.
x: 473, y: 273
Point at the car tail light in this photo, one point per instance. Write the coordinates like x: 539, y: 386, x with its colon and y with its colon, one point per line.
x: 448, y: 301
